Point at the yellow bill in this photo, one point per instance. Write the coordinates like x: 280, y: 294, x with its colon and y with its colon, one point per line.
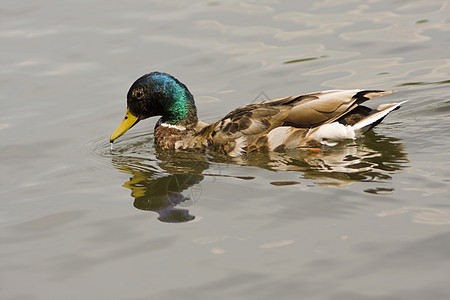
x: 128, y: 121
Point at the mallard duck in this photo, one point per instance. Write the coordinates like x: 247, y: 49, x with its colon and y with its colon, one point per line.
x: 284, y: 123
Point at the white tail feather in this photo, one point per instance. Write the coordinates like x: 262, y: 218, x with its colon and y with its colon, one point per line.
x: 383, y: 111
x: 329, y: 134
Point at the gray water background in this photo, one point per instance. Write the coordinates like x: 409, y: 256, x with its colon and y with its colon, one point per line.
x: 367, y: 219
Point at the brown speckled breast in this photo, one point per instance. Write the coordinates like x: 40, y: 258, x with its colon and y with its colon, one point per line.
x: 166, y: 137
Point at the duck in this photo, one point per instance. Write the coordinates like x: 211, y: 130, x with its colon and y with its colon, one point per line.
x: 301, y: 121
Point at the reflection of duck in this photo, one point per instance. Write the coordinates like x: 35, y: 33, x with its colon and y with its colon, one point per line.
x: 372, y: 159
x: 172, y: 180
x: 283, y: 123
x: 162, y: 192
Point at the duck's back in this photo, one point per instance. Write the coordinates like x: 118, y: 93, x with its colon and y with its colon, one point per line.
x: 283, y: 121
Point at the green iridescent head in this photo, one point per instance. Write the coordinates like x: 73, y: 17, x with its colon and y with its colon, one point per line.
x: 158, y: 94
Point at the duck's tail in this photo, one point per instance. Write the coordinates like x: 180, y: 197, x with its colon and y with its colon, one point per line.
x: 375, y: 117
x: 330, y: 134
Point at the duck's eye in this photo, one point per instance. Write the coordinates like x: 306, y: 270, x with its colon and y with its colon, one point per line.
x: 138, y: 93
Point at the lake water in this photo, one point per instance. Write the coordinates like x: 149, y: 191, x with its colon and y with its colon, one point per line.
x: 367, y: 219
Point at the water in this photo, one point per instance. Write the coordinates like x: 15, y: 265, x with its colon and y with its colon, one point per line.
x: 367, y: 219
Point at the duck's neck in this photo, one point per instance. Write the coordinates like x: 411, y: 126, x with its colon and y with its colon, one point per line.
x: 180, y: 110
x: 178, y: 103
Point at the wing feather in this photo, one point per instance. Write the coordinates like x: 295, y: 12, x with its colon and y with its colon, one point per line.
x: 257, y: 126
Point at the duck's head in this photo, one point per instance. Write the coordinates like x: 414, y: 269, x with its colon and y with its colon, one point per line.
x: 158, y: 94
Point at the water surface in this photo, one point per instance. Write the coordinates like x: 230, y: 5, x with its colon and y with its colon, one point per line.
x: 367, y: 219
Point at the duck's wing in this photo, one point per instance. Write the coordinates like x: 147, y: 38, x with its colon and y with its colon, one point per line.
x: 303, y: 111
x: 233, y: 132
x: 248, y: 125
x: 320, y: 108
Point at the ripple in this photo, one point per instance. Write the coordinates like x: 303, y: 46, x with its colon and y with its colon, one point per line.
x: 425, y: 83
x: 380, y: 191
x: 71, y: 68
x: 276, y: 244
x: 284, y: 183
x: 422, y: 215
x: 304, y: 59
